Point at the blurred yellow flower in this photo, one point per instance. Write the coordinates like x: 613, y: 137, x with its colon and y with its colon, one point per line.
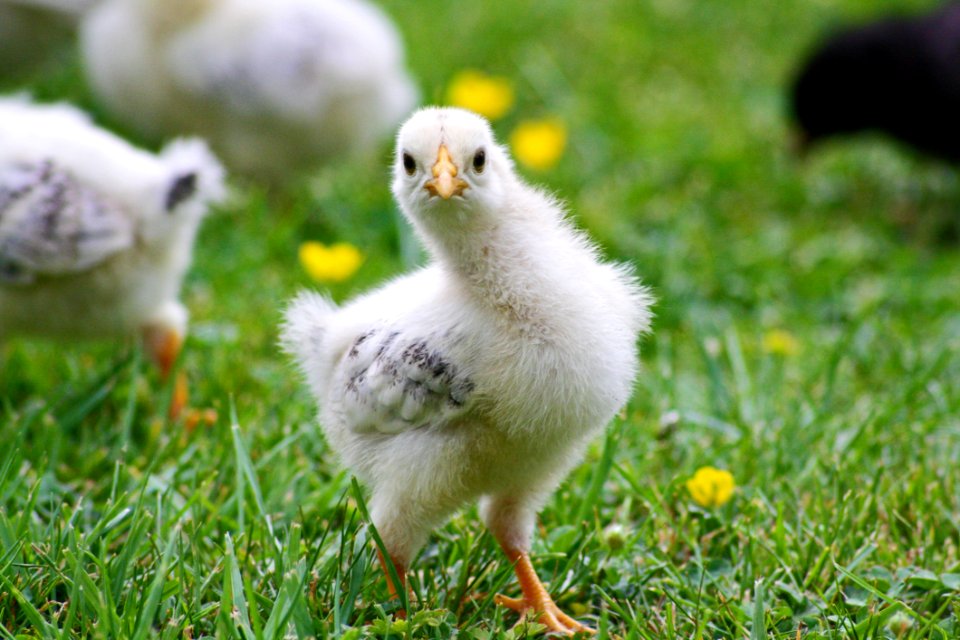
x: 711, y: 487
x: 539, y: 143
x: 335, y: 263
x: 780, y: 343
x: 490, y: 96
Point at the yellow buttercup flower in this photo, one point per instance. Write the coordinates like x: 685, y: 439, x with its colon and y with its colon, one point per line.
x: 490, y: 96
x: 711, y: 487
x: 780, y: 343
x: 335, y: 263
x: 539, y: 144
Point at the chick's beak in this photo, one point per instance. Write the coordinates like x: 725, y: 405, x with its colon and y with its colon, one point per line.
x: 445, y: 182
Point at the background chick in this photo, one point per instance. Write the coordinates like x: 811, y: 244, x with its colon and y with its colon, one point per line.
x: 482, y: 375
x: 898, y: 75
x: 96, y: 235
x: 276, y: 87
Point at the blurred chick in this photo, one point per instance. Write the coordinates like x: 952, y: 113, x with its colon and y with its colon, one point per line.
x: 96, y: 235
x: 484, y: 374
x: 276, y: 87
x: 31, y: 31
x: 899, y: 76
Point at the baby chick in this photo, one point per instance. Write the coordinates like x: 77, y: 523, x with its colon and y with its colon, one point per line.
x: 484, y: 374
x: 276, y: 87
x: 96, y: 235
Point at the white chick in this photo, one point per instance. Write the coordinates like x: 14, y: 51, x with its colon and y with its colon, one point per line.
x: 484, y: 374
x: 276, y: 87
x: 30, y: 30
x: 96, y: 235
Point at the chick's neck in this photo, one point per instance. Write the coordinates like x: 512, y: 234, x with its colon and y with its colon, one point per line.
x: 505, y: 263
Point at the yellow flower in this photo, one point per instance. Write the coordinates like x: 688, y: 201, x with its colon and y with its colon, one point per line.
x: 539, y: 143
x: 335, y: 263
x: 490, y: 96
x: 780, y: 343
x: 711, y: 487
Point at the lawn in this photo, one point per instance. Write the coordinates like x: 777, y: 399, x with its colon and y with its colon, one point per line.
x: 807, y: 339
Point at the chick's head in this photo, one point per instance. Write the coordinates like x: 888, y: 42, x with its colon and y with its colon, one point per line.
x: 449, y: 169
x: 191, y: 179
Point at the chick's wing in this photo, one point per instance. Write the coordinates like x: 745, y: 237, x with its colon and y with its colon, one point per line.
x: 393, y: 382
x: 52, y: 225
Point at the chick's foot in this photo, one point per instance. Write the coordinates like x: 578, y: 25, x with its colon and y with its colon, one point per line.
x: 535, y: 598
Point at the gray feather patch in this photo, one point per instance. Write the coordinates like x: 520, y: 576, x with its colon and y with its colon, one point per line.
x: 51, y: 224
x: 394, y: 382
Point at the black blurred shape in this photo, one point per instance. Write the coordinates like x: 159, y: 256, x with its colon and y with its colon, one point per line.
x: 898, y: 75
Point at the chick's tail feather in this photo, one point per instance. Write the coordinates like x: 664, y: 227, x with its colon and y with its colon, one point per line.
x: 305, y: 326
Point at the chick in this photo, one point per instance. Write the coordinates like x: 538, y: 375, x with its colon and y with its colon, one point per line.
x: 276, y: 87
x: 483, y: 375
x: 899, y: 76
x: 96, y: 235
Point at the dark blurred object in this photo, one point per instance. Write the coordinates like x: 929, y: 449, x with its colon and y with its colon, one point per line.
x: 899, y: 75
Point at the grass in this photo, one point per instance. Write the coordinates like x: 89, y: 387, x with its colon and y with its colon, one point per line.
x: 846, y: 521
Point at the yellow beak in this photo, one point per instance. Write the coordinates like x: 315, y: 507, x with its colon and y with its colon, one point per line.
x: 445, y: 182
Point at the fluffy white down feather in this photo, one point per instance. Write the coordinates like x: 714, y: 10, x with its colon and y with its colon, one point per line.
x: 95, y: 235
x: 276, y: 87
x: 482, y: 375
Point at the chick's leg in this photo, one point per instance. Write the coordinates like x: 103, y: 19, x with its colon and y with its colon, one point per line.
x: 163, y: 338
x: 511, y: 521
x: 394, y: 589
x: 403, y: 528
x: 163, y: 346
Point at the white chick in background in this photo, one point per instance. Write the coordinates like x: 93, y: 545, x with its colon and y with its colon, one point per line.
x: 31, y: 31
x: 95, y: 234
x: 276, y: 87
x: 484, y: 374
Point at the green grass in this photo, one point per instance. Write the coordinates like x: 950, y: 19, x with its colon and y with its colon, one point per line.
x: 846, y: 522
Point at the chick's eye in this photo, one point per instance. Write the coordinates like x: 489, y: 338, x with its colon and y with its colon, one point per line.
x: 479, y: 161
x: 409, y: 164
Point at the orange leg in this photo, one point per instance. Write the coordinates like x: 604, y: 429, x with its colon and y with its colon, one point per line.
x: 394, y: 589
x: 164, y: 345
x: 535, y: 598
x: 181, y: 393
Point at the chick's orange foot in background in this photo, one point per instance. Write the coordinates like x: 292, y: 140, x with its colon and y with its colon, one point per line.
x: 178, y: 400
x: 163, y: 346
x: 192, y: 418
x: 536, y: 599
